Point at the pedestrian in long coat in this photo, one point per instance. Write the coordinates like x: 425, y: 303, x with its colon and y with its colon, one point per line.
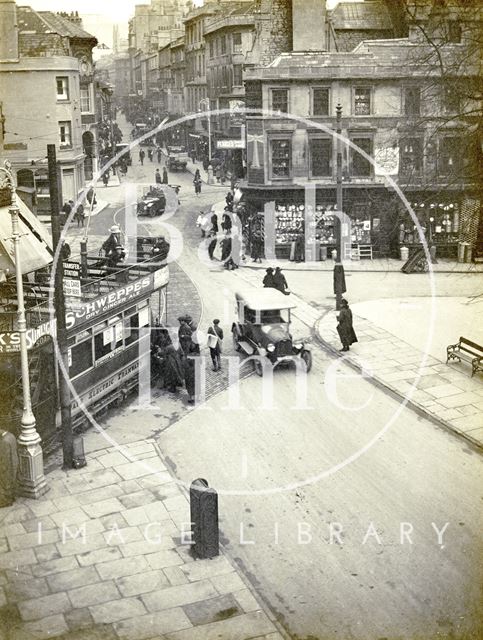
x: 184, y: 334
x: 158, y: 153
x: 257, y: 247
x: 150, y: 154
x: 226, y: 223
x: 300, y: 248
x: 80, y: 215
x: 211, y: 244
x: 345, y: 329
x: 339, y: 279
x: 226, y: 248
x: 173, y: 368
x: 268, y: 282
x: 157, y: 176
x: 279, y: 281
x: 197, y: 182
x: 141, y: 156
x: 165, y: 175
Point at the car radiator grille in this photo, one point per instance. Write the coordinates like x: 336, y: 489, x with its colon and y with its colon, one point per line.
x: 284, y: 348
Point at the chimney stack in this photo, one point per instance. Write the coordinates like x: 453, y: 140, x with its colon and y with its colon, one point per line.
x: 309, y: 25
x: 8, y: 31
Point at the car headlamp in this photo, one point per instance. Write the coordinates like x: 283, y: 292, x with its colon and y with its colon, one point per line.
x: 298, y: 345
x: 271, y: 347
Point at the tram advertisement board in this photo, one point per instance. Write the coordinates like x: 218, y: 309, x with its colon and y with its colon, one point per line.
x: 84, y: 312
x: 116, y: 298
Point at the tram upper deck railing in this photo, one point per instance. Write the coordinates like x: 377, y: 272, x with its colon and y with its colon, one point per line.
x: 99, y: 279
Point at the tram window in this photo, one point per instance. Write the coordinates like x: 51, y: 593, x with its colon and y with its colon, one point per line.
x: 131, y: 326
x: 102, y: 346
x: 81, y: 358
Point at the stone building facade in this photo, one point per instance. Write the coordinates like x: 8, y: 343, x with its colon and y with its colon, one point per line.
x: 48, y: 95
x: 395, y: 111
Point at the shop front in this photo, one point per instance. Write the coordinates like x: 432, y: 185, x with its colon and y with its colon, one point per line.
x: 448, y: 222
x: 309, y: 218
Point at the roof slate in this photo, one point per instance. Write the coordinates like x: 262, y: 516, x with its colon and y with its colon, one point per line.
x: 48, y: 22
x: 361, y: 16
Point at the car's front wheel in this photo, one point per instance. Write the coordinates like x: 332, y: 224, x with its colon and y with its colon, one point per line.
x: 307, y: 358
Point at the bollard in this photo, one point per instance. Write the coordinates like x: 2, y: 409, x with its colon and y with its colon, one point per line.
x: 210, y: 175
x: 204, y: 519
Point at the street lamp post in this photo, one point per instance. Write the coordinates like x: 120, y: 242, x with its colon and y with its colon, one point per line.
x: 31, y: 479
x: 206, y: 101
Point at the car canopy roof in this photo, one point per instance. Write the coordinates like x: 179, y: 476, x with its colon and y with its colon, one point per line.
x: 264, y: 299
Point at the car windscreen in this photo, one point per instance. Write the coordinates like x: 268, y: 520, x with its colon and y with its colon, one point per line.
x: 274, y: 316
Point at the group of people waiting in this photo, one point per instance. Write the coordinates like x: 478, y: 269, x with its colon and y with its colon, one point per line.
x: 161, y: 180
x: 208, y: 224
x: 175, y: 367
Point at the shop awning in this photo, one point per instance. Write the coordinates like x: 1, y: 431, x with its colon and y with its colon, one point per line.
x: 35, y: 241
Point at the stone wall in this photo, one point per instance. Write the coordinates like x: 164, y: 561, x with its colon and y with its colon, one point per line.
x: 274, y: 28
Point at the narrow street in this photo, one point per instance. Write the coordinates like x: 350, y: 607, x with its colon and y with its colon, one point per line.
x: 284, y: 474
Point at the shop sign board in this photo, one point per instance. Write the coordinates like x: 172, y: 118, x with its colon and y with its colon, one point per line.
x: 10, y: 340
x: 230, y: 144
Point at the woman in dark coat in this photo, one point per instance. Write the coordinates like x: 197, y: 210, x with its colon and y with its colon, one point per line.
x: 257, y: 247
x: 173, y: 368
x: 345, y: 329
x: 268, y: 282
x: 197, y: 182
x: 165, y: 175
x: 279, y: 281
x: 300, y: 248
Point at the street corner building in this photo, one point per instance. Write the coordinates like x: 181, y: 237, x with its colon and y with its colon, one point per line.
x: 48, y: 94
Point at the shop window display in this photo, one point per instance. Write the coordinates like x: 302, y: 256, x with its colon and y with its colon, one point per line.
x: 440, y: 223
x: 291, y: 223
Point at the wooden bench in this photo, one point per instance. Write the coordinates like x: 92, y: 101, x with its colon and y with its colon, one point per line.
x: 466, y: 350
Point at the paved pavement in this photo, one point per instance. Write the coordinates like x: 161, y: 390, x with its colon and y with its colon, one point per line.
x: 102, y: 555
x: 385, y: 265
x: 442, y: 392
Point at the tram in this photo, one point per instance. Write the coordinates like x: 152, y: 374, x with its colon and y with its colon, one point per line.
x: 109, y: 312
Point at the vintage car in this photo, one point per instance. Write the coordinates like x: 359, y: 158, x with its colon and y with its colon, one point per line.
x: 177, y: 158
x: 153, y: 203
x: 263, y: 328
